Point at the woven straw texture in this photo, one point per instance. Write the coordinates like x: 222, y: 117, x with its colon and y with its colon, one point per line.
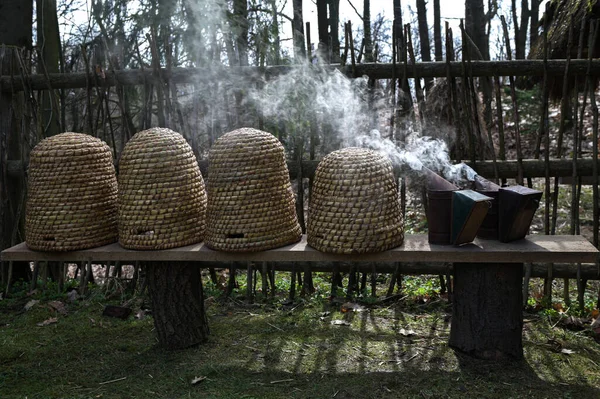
x: 354, y: 205
x: 162, y: 197
x: 251, y: 205
x: 72, y: 194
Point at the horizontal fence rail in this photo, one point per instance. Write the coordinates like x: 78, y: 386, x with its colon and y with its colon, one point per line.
x: 506, y: 169
x: 128, y: 77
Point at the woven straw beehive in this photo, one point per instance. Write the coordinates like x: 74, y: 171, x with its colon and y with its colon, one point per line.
x: 251, y: 205
x: 354, y: 205
x: 72, y: 194
x: 162, y: 198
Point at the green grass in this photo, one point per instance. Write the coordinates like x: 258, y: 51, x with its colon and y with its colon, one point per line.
x: 277, y: 350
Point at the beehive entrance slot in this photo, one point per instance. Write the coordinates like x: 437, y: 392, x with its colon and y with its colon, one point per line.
x: 50, y: 238
x: 235, y: 235
x: 143, y: 231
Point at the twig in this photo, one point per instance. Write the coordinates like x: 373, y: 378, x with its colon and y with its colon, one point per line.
x: 399, y: 297
x: 559, y: 319
x: 355, y: 10
x: 275, y: 327
x: 280, y: 381
x: 111, y: 381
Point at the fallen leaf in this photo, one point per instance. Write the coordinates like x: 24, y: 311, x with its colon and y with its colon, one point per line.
x: 567, y: 351
x: 340, y: 323
x: 595, y: 313
x: 49, y: 321
x: 558, y: 307
x: 58, y: 306
x: 30, y: 304
x: 198, y: 380
x: 407, y: 333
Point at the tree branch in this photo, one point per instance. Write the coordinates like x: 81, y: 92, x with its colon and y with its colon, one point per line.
x: 260, y: 9
x: 355, y: 10
x: 492, y: 10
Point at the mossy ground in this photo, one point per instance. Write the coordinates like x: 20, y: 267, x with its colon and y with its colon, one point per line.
x: 277, y: 349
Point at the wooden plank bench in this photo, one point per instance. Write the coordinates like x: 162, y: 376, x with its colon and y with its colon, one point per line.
x: 487, y: 317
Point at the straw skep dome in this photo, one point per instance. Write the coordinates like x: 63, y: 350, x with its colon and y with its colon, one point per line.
x: 354, y: 206
x: 72, y: 194
x: 251, y: 205
x: 162, y: 198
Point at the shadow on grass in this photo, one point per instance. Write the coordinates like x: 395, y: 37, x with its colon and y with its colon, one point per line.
x: 394, y: 352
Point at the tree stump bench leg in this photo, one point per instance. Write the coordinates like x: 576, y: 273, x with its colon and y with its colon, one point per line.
x: 177, y: 304
x: 487, y: 316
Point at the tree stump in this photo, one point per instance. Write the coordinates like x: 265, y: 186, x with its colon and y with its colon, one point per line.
x: 487, y: 317
x: 177, y: 304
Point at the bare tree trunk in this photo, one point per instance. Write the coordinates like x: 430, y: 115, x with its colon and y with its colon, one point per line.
x: 323, y: 25
x: 276, y: 58
x: 475, y: 26
x: 476, y: 20
x: 398, y: 26
x: 405, y: 98
x: 48, y: 42
x: 298, y: 31
x: 424, y: 37
x: 15, y: 30
x: 520, y: 27
x: 367, y: 31
x: 240, y: 15
x: 334, y: 23
x: 437, y: 30
x: 533, y: 31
